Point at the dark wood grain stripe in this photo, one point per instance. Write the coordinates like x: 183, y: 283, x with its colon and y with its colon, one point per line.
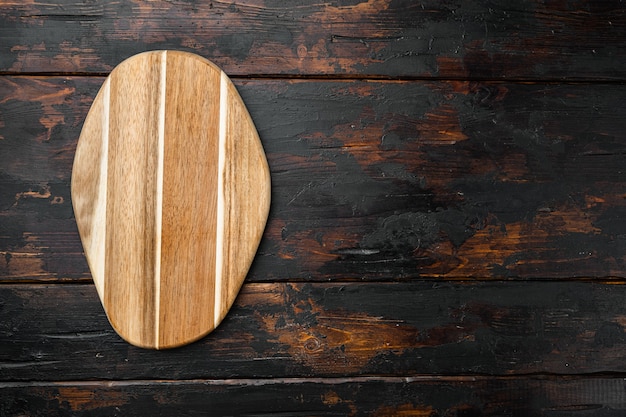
x: 189, y: 201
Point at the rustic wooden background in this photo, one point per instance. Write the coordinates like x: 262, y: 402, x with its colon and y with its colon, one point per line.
x: 448, y: 226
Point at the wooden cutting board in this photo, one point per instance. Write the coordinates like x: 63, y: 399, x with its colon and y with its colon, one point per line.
x: 171, y: 192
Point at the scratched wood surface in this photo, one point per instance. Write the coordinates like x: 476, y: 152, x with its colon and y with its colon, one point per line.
x: 447, y: 233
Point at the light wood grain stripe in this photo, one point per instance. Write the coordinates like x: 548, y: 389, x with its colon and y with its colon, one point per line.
x: 99, y: 223
x: 158, y: 226
x: 219, y: 235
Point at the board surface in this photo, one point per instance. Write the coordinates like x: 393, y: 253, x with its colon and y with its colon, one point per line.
x: 171, y: 191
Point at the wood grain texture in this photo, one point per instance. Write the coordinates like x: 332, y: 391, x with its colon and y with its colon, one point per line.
x: 528, y: 39
x: 505, y: 180
x: 381, y: 396
x: 152, y: 177
x: 286, y: 330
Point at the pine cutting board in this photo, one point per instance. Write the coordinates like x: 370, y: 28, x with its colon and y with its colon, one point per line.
x: 171, y: 192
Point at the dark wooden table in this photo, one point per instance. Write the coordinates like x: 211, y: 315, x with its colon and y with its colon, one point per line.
x: 448, y: 226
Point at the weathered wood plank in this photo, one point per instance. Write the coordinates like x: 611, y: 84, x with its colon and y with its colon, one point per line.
x: 40, y: 120
x: 371, y: 180
x: 280, y: 330
x: 528, y: 39
x: 422, y: 396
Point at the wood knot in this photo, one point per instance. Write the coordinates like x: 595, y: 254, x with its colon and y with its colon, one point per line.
x: 312, y: 344
x: 302, y: 51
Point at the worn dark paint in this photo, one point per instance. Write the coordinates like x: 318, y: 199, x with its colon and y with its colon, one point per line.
x: 331, y: 330
x: 385, y: 396
x: 450, y: 39
x: 372, y: 180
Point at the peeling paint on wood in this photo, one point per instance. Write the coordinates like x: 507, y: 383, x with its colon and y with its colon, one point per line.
x: 288, y: 330
x: 449, y: 39
x: 378, y: 396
